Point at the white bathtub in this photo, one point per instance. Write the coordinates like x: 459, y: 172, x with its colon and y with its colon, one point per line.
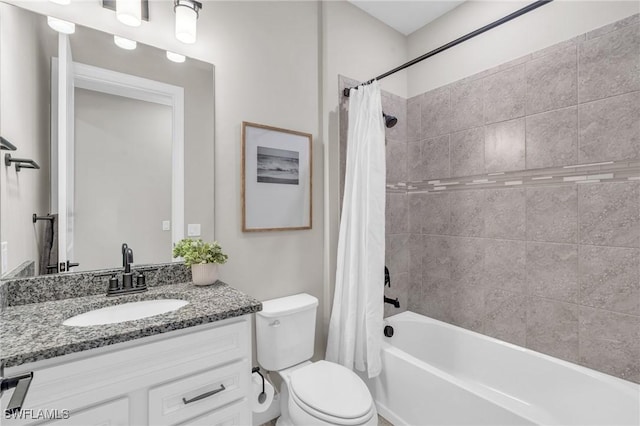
x: 434, y: 373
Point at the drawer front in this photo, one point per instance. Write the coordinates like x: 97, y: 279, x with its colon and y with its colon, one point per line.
x: 199, y: 393
x: 236, y: 414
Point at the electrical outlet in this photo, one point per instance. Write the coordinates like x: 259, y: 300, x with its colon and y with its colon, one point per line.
x: 4, y: 255
x: 193, y: 230
x: 166, y: 225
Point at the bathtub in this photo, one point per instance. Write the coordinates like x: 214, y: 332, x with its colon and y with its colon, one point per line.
x: 434, y: 373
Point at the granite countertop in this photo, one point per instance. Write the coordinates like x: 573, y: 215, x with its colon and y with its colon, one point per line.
x: 34, y: 332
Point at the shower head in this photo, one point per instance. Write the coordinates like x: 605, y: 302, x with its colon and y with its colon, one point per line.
x: 389, y: 120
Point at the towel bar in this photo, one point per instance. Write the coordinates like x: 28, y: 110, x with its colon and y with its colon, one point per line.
x: 21, y: 163
x: 5, y: 145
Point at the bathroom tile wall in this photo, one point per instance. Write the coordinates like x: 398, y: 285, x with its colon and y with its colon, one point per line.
x: 553, y: 268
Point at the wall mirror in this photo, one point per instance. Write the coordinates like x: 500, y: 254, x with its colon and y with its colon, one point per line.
x: 124, y: 139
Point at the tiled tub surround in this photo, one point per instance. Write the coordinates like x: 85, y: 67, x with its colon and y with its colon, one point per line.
x: 31, y: 328
x: 552, y: 264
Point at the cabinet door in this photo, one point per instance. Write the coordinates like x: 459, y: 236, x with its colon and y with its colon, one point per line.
x: 114, y: 413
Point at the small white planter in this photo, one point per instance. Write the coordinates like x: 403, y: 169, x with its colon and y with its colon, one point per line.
x: 204, y: 273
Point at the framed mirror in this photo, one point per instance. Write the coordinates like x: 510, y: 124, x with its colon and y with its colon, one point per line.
x: 125, y: 143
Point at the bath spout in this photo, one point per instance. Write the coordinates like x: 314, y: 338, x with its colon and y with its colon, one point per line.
x: 395, y: 302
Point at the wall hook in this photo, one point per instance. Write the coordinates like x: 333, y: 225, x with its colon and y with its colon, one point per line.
x: 21, y: 163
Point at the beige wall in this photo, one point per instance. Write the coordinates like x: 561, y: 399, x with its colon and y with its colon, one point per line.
x: 545, y: 26
x: 24, y: 121
x: 122, y: 180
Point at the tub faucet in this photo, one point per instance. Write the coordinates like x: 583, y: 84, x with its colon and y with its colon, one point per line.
x: 395, y: 302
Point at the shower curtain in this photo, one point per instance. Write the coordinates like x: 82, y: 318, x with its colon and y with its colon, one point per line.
x: 355, y: 329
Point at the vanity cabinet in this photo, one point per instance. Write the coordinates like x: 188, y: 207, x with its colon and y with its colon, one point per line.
x: 196, y: 376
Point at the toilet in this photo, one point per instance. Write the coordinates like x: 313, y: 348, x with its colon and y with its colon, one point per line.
x: 312, y: 393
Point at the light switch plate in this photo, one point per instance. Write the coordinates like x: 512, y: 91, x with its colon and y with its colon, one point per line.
x: 193, y: 230
x: 4, y: 255
x: 166, y: 225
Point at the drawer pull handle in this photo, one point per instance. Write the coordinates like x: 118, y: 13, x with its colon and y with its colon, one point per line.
x: 204, y: 395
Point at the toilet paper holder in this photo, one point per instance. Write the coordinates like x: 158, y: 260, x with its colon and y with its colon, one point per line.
x: 263, y: 395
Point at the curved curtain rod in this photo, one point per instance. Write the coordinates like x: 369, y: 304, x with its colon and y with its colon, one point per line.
x: 455, y: 42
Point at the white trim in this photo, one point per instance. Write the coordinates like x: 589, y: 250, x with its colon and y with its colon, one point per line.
x: 120, y: 84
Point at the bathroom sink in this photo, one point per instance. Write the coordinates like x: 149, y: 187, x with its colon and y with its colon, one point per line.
x: 125, y: 312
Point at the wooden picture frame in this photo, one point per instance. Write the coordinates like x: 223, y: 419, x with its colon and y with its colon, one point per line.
x: 277, y: 178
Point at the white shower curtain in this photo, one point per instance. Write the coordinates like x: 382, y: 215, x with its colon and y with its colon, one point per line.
x: 355, y: 330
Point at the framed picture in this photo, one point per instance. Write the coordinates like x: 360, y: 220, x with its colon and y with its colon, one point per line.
x: 276, y: 178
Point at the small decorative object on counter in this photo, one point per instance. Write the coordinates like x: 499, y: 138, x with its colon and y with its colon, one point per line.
x: 203, y: 258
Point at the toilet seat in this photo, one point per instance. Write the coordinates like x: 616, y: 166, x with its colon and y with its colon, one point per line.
x: 331, y: 393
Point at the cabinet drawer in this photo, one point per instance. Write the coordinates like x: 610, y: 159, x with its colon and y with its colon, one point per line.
x: 236, y: 414
x: 199, y: 393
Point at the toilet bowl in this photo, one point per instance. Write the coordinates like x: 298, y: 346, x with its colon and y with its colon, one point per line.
x: 324, y: 393
x: 312, y: 393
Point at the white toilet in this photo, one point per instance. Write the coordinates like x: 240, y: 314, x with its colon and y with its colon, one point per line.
x: 319, y: 393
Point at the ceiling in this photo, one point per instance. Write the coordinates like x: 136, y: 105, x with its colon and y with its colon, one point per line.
x: 406, y: 16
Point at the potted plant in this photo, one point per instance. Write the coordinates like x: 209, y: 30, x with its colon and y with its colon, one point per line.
x: 203, y: 258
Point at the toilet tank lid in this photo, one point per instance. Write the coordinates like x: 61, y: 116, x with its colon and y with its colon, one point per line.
x: 287, y: 305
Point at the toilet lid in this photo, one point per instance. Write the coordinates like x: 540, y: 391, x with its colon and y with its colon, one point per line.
x: 331, y: 389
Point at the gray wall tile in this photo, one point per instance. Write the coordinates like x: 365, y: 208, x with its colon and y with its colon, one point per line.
x: 416, y: 211
x: 552, y: 214
x: 610, y: 342
x: 609, y: 214
x: 615, y: 26
x: 610, y: 278
x: 414, y: 118
x: 467, y: 305
x: 396, y: 161
x: 435, y: 158
x: 467, y: 152
x: 552, y: 328
x: 552, y: 271
x: 467, y: 213
x: 397, y: 214
x: 467, y: 261
x: 467, y: 105
x: 505, y: 267
x: 397, y: 253
x: 609, y: 129
x: 504, y: 146
x: 417, y: 259
x: 505, y: 316
x: 436, y: 299
x: 504, y: 95
x: 437, y: 260
x: 552, y: 81
x: 552, y: 138
x: 397, y: 106
x: 505, y: 213
x: 609, y: 65
x: 435, y: 109
x: 415, y: 166
x: 436, y: 214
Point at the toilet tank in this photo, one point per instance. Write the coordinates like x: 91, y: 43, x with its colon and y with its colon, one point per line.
x: 285, y: 331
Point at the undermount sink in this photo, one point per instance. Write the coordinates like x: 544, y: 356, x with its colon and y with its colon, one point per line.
x: 125, y: 312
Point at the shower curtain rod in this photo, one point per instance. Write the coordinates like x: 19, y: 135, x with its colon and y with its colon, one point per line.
x: 455, y: 42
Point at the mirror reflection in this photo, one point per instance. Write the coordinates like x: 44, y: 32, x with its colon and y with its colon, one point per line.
x: 124, y: 141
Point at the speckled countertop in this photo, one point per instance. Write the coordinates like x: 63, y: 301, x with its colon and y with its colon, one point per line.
x: 34, y: 332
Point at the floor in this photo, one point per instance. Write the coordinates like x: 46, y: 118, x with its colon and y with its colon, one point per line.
x: 381, y: 422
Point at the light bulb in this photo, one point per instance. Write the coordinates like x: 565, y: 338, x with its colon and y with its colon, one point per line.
x: 64, y: 27
x: 129, y: 12
x: 186, y: 22
x: 124, y: 43
x: 175, y: 57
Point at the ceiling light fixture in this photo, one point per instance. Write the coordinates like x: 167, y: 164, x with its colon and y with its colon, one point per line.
x: 175, y: 57
x: 124, y: 43
x: 129, y: 12
x: 187, y: 12
x: 62, y: 2
x: 64, y: 27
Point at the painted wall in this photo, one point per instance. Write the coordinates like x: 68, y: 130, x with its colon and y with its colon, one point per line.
x: 24, y: 76
x: 545, y: 26
x: 123, y: 170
